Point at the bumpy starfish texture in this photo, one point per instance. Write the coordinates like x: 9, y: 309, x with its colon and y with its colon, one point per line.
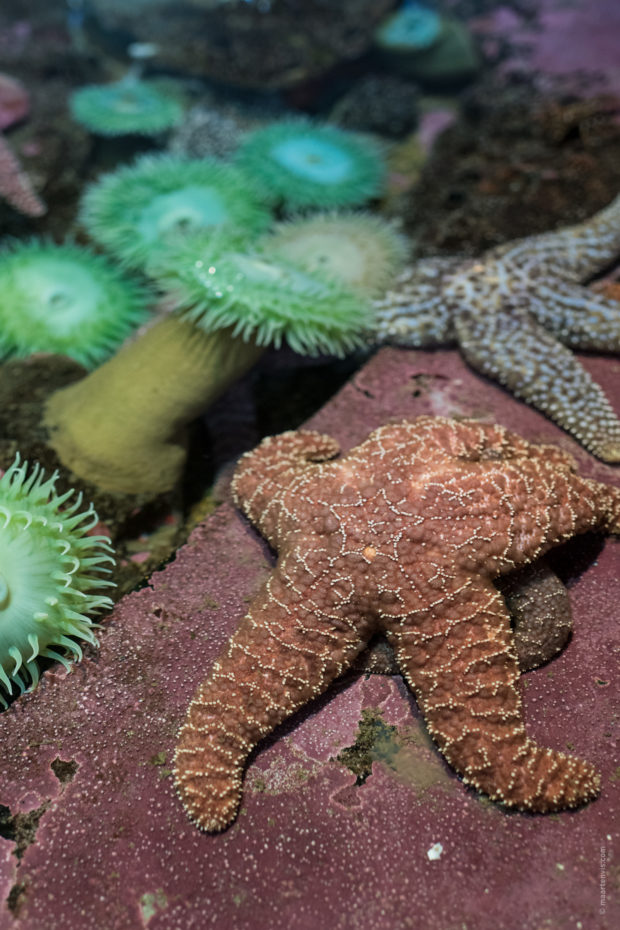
x: 404, y: 535
x: 540, y: 612
x: 516, y: 312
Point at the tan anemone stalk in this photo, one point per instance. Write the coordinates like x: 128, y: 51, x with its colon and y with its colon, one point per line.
x: 122, y: 426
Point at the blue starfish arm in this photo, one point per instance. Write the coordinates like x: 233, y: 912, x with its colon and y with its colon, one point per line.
x: 415, y: 312
x: 577, y: 316
x: 512, y: 348
x: 575, y: 253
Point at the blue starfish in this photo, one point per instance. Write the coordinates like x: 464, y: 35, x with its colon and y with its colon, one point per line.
x: 515, y: 313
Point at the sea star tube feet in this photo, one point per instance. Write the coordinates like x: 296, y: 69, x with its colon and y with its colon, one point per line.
x: 516, y: 312
x: 404, y: 535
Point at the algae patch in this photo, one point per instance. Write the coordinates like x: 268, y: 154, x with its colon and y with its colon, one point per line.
x: 407, y: 753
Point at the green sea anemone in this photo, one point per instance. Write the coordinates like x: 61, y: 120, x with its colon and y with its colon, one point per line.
x: 122, y: 427
x: 435, y: 49
x: 138, y: 211
x: 127, y: 106
x: 64, y: 299
x: 49, y: 569
x: 411, y: 28
x: 304, y: 164
x: 361, y: 250
x: 266, y: 300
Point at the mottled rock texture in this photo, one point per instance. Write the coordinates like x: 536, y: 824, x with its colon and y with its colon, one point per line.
x: 85, y: 767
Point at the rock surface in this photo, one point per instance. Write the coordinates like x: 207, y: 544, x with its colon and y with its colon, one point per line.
x: 266, y: 44
x: 395, y: 840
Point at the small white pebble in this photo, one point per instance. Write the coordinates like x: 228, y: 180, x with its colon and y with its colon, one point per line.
x: 435, y: 851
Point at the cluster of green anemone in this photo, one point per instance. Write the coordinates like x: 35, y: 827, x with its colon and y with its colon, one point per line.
x: 200, y: 229
x: 231, y: 279
x: 163, y: 212
x: 203, y: 235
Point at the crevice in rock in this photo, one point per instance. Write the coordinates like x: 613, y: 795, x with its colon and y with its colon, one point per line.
x: 375, y: 740
x: 21, y: 828
x: 16, y: 897
x: 64, y: 770
x: 422, y: 383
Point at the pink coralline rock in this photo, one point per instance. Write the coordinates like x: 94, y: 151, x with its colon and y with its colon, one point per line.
x: 573, y: 41
x: 15, y: 186
x: 85, y: 762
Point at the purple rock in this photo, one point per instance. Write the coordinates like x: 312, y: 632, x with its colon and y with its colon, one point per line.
x: 574, y: 42
x: 411, y: 846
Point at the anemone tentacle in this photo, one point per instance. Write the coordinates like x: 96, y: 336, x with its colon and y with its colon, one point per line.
x: 64, y: 298
x: 49, y: 565
x: 304, y: 164
x: 265, y: 299
x: 137, y: 211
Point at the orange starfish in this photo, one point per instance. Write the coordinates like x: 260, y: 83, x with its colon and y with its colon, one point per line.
x: 403, y: 534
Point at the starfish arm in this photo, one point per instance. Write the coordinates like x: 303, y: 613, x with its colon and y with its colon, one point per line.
x: 15, y: 186
x: 459, y: 660
x: 510, y: 347
x: 415, y: 312
x: 284, y: 653
x: 574, y: 252
x: 263, y: 473
x: 431, y: 440
x: 577, y: 316
x: 540, y: 613
x: 547, y: 505
x: 501, y: 517
x: 540, y: 610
